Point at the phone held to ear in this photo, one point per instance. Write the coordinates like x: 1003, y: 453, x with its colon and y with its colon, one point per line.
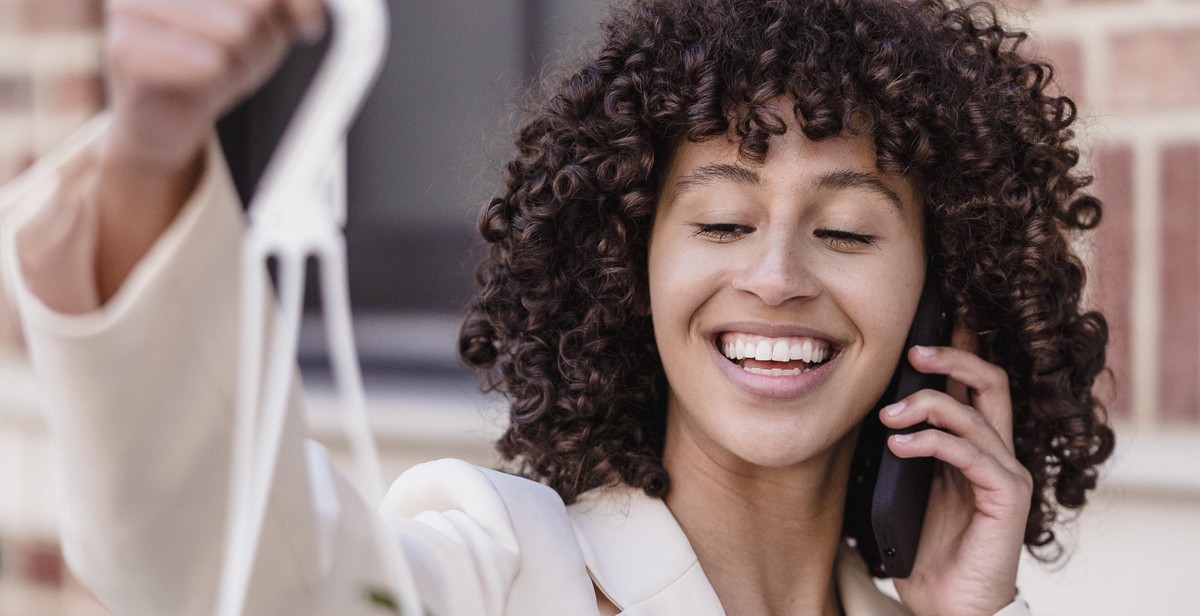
x: 885, y: 503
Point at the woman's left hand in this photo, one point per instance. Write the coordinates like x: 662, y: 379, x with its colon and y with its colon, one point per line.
x: 975, y: 522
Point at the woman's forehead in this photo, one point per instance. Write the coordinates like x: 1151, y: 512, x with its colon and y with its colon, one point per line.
x: 792, y: 159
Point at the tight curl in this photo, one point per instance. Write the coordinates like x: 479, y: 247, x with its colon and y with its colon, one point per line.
x: 559, y: 324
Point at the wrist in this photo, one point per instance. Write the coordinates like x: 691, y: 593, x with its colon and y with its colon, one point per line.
x: 151, y: 144
x: 147, y: 188
x: 137, y: 200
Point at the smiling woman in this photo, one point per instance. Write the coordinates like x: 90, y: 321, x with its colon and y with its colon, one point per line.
x: 779, y: 174
x: 704, y: 260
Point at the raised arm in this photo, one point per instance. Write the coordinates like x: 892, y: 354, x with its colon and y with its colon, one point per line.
x: 175, y: 67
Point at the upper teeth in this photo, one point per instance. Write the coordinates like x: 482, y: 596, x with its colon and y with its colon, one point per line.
x: 748, y: 346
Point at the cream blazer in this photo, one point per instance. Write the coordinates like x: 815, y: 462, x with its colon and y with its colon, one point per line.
x: 142, y: 393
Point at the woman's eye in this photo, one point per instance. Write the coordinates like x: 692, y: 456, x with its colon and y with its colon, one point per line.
x: 845, y: 239
x: 721, y: 232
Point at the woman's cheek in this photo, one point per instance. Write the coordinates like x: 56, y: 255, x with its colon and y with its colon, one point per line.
x: 882, y: 298
x: 683, y: 274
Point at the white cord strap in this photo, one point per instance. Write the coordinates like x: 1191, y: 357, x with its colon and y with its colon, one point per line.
x: 298, y: 215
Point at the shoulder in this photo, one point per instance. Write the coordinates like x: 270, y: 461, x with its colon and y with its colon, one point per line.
x: 498, y: 518
x: 455, y: 484
x: 513, y: 510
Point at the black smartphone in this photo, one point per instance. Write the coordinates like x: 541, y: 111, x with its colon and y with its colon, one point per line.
x: 887, y: 495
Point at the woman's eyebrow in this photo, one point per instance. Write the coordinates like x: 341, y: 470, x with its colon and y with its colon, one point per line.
x: 841, y: 180
x: 834, y: 180
x: 716, y: 171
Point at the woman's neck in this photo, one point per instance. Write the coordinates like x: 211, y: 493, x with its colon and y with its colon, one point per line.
x: 766, y: 537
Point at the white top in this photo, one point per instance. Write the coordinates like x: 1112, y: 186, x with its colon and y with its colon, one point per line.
x: 143, y: 391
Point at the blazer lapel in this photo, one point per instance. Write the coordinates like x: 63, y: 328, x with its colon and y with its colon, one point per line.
x: 638, y: 556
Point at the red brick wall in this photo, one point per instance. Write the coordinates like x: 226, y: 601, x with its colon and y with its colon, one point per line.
x: 1135, y: 67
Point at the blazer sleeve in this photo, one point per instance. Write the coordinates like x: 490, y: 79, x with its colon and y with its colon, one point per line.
x: 141, y: 395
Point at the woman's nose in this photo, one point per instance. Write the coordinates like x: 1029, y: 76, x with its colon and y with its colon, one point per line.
x: 778, y: 273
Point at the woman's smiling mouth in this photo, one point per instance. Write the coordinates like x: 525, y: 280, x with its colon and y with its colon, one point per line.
x: 791, y: 365
x: 787, y: 356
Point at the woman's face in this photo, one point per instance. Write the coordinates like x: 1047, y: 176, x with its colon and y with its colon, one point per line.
x: 781, y: 293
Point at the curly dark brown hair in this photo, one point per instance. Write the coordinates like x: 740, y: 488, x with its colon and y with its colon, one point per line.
x: 559, y: 324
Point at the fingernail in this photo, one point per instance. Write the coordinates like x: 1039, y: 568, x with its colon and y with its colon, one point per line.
x: 893, y: 410
x: 924, y: 351
x: 902, y: 438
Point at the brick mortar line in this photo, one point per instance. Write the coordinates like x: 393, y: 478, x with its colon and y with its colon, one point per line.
x: 52, y: 38
x: 1108, y: 20
x: 1096, y: 60
x: 53, y: 53
x: 1046, y: 4
x: 52, y: 127
x: 1105, y: 125
x: 1145, y: 302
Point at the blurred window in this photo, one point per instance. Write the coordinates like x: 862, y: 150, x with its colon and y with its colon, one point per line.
x: 424, y: 155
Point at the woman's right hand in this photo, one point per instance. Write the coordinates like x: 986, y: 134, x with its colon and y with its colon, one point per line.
x: 174, y: 68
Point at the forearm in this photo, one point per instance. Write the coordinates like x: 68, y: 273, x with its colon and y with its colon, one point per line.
x: 140, y: 393
x: 79, y: 245
x: 135, y: 204
x: 135, y: 401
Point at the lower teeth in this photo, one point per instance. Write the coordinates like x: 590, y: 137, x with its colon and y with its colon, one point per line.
x: 777, y: 371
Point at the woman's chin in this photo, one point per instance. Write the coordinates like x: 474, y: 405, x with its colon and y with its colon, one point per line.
x: 780, y: 449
